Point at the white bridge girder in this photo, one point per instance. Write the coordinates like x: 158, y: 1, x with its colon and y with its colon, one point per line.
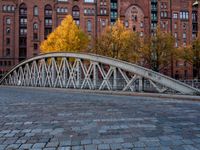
x: 89, y: 71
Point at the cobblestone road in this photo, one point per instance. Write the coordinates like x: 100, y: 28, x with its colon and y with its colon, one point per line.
x: 52, y: 119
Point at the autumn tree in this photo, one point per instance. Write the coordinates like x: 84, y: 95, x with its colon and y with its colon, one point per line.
x: 118, y: 42
x: 158, y: 50
x: 191, y: 54
x: 65, y: 38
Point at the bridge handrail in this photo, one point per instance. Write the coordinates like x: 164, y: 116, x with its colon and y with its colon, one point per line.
x: 154, y: 76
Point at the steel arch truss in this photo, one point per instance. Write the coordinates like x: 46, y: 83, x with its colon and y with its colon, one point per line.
x: 94, y: 72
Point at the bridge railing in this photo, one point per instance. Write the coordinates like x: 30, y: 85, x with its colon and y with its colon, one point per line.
x: 89, y: 71
x: 194, y: 83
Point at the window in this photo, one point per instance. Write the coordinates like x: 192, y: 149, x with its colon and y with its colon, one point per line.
x: 7, y: 41
x: 35, y: 11
x: 23, y: 9
x: 8, y: 21
x: 48, y: 10
x: 48, y: 22
x: 35, y: 36
x: 9, y: 8
x: 75, y: 11
x: 35, y: 26
x: 103, y: 23
x: 13, y: 8
x: 126, y: 23
x: 175, y: 26
x: 141, y: 24
x: 23, y: 31
x: 77, y: 22
x: 184, y: 15
x: 4, y: 8
x: 89, y: 1
x: 7, y: 51
x: 62, y: 0
x: 141, y: 34
x: 7, y: 30
x: 35, y: 46
x: 89, y: 26
x: 175, y: 15
x: 176, y: 35
x: 23, y: 21
x: 184, y: 35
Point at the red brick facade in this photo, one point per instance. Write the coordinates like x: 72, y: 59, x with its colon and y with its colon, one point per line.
x: 25, y: 23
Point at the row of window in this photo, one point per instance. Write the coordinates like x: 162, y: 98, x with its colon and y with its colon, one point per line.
x: 86, y: 1
x: 89, y: 11
x: 184, y: 15
x: 8, y: 8
x: 62, y: 10
x: 5, y: 63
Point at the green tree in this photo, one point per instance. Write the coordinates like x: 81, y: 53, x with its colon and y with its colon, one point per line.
x: 158, y: 50
x: 119, y: 42
x: 65, y: 38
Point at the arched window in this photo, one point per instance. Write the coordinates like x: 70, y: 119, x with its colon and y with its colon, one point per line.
x: 35, y: 26
x: 75, y: 11
x: 4, y: 8
x: 48, y: 10
x: 9, y: 8
x: 23, y: 9
x: 89, y: 26
x: 35, y: 11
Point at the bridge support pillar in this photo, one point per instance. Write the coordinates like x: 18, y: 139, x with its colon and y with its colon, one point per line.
x: 78, y: 70
x: 141, y: 84
x: 95, y: 74
x: 114, y: 78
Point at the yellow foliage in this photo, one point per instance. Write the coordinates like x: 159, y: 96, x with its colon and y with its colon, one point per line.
x: 65, y: 38
x: 119, y: 42
x: 158, y: 50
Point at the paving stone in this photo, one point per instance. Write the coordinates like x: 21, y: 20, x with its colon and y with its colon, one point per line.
x: 13, y: 146
x: 86, y: 141
x: 3, y: 146
x: 152, y: 143
x: 196, y: 140
x: 96, y: 141
x: 36, y: 131
x: 52, y: 144
x: 127, y: 145
x: 116, y: 146
x: 165, y: 148
x: 77, y: 147
x: 90, y: 147
x: 5, y: 131
x: 187, y: 141
x: 139, y: 144
x: 177, y: 142
x: 103, y: 147
x: 49, y: 148
x: 26, y: 146
x: 64, y: 148
x: 66, y: 143
x: 39, y: 145
x: 10, y: 135
x: 189, y: 147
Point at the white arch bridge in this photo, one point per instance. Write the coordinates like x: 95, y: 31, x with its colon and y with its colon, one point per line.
x: 89, y: 71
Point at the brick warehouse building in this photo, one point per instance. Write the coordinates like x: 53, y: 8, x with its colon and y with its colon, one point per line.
x: 25, y: 23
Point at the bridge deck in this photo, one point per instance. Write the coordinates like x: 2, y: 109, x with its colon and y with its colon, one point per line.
x: 45, y: 118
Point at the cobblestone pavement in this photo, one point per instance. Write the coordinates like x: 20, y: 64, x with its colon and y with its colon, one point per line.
x: 52, y: 119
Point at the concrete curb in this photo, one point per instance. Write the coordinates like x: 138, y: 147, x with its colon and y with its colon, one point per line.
x: 152, y: 95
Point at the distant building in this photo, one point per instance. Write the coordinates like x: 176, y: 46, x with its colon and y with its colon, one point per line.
x: 25, y: 23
